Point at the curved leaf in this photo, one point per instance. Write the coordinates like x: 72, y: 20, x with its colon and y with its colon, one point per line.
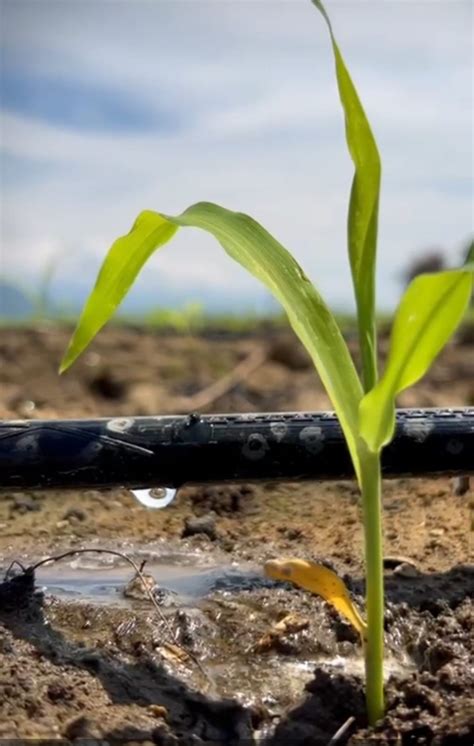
x: 429, y: 312
x: 125, y: 258
x: 320, y: 580
x: 363, y: 208
x: 255, y: 249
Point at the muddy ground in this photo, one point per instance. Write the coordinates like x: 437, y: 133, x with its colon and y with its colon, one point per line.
x: 225, y: 656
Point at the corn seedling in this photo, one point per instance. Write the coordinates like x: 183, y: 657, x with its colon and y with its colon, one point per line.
x: 428, y: 314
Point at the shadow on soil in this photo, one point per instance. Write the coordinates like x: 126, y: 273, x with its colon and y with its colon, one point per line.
x: 142, y: 682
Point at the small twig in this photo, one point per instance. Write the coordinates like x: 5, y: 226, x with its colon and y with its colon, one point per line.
x: 391, y: 561
x: 229, y: 381
x: 11, y: 565
x: 147, y: 589
x: 341, y: 731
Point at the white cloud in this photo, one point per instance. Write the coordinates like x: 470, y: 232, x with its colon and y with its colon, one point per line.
x: 260, y: 130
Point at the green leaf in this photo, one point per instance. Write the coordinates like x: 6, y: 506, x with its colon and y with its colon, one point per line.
x: 255, y: 249
x: 429, y: 312
x: 363, y: 209
x: 124, y: 260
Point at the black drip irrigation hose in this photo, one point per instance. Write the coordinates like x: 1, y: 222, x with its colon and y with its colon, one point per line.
x: 147, y: 452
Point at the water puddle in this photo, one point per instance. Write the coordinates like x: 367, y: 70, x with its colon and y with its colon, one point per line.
x: 280, y: 678
x: 184, y: 580
x: 400, y: 667
x: 103, y: 582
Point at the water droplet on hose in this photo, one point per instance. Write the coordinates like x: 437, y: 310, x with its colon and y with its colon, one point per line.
x: 157, y: 497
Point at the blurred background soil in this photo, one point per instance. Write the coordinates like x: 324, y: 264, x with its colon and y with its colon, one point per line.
x: 131, y: 371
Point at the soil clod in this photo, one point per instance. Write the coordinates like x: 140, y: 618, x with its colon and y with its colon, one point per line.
x: 205, y: 524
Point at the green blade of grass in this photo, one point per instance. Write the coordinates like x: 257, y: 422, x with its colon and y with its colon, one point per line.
x: 254, y: 248
x: 429, y: 312
x: 363, y: 209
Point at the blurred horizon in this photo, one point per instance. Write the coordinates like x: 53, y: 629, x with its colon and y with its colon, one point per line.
x: 111, y: 107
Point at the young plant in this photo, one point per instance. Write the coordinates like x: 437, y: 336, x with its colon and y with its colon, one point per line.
x: 428, y: 314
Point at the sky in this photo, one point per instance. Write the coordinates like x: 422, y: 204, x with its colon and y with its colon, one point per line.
x: 110, y: 107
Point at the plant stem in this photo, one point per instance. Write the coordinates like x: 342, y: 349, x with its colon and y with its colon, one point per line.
x: 372, y: 513
x: 368, y: 350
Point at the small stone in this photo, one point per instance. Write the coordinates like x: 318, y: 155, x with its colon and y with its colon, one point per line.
x: 460, y: 485
x: 437, y: 532
x: 292, y: 623
x: 205, y: 524
x: 140, y: 586
x: 406, y: 570
x: 26, y: 408
x: 25, y: 504
x: 345, y: 648
x: 158, y: 711
x: 438, y: 655
x: 449, y: 678
x: 275, y: 637
x: 57, y: 692
x: 81, y: 727
x: 75, y: 514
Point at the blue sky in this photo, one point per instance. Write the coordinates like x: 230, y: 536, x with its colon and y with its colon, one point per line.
x: 113, y: 106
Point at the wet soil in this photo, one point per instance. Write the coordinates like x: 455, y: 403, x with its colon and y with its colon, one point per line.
x: 262, y: 662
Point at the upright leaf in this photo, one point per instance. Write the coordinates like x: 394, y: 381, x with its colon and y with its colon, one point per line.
x: 428, y: 314
x: 363, y: 209
x: 254, y: 248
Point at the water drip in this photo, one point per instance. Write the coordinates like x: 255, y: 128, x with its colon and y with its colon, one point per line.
x: 157, y: 497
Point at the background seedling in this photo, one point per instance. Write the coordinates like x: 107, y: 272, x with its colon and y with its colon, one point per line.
x: 428, y: 314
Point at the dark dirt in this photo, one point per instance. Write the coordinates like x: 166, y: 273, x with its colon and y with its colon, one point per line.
x: 78, y: 669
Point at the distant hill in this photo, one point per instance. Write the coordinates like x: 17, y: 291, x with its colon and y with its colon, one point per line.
x: 14, y: 303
